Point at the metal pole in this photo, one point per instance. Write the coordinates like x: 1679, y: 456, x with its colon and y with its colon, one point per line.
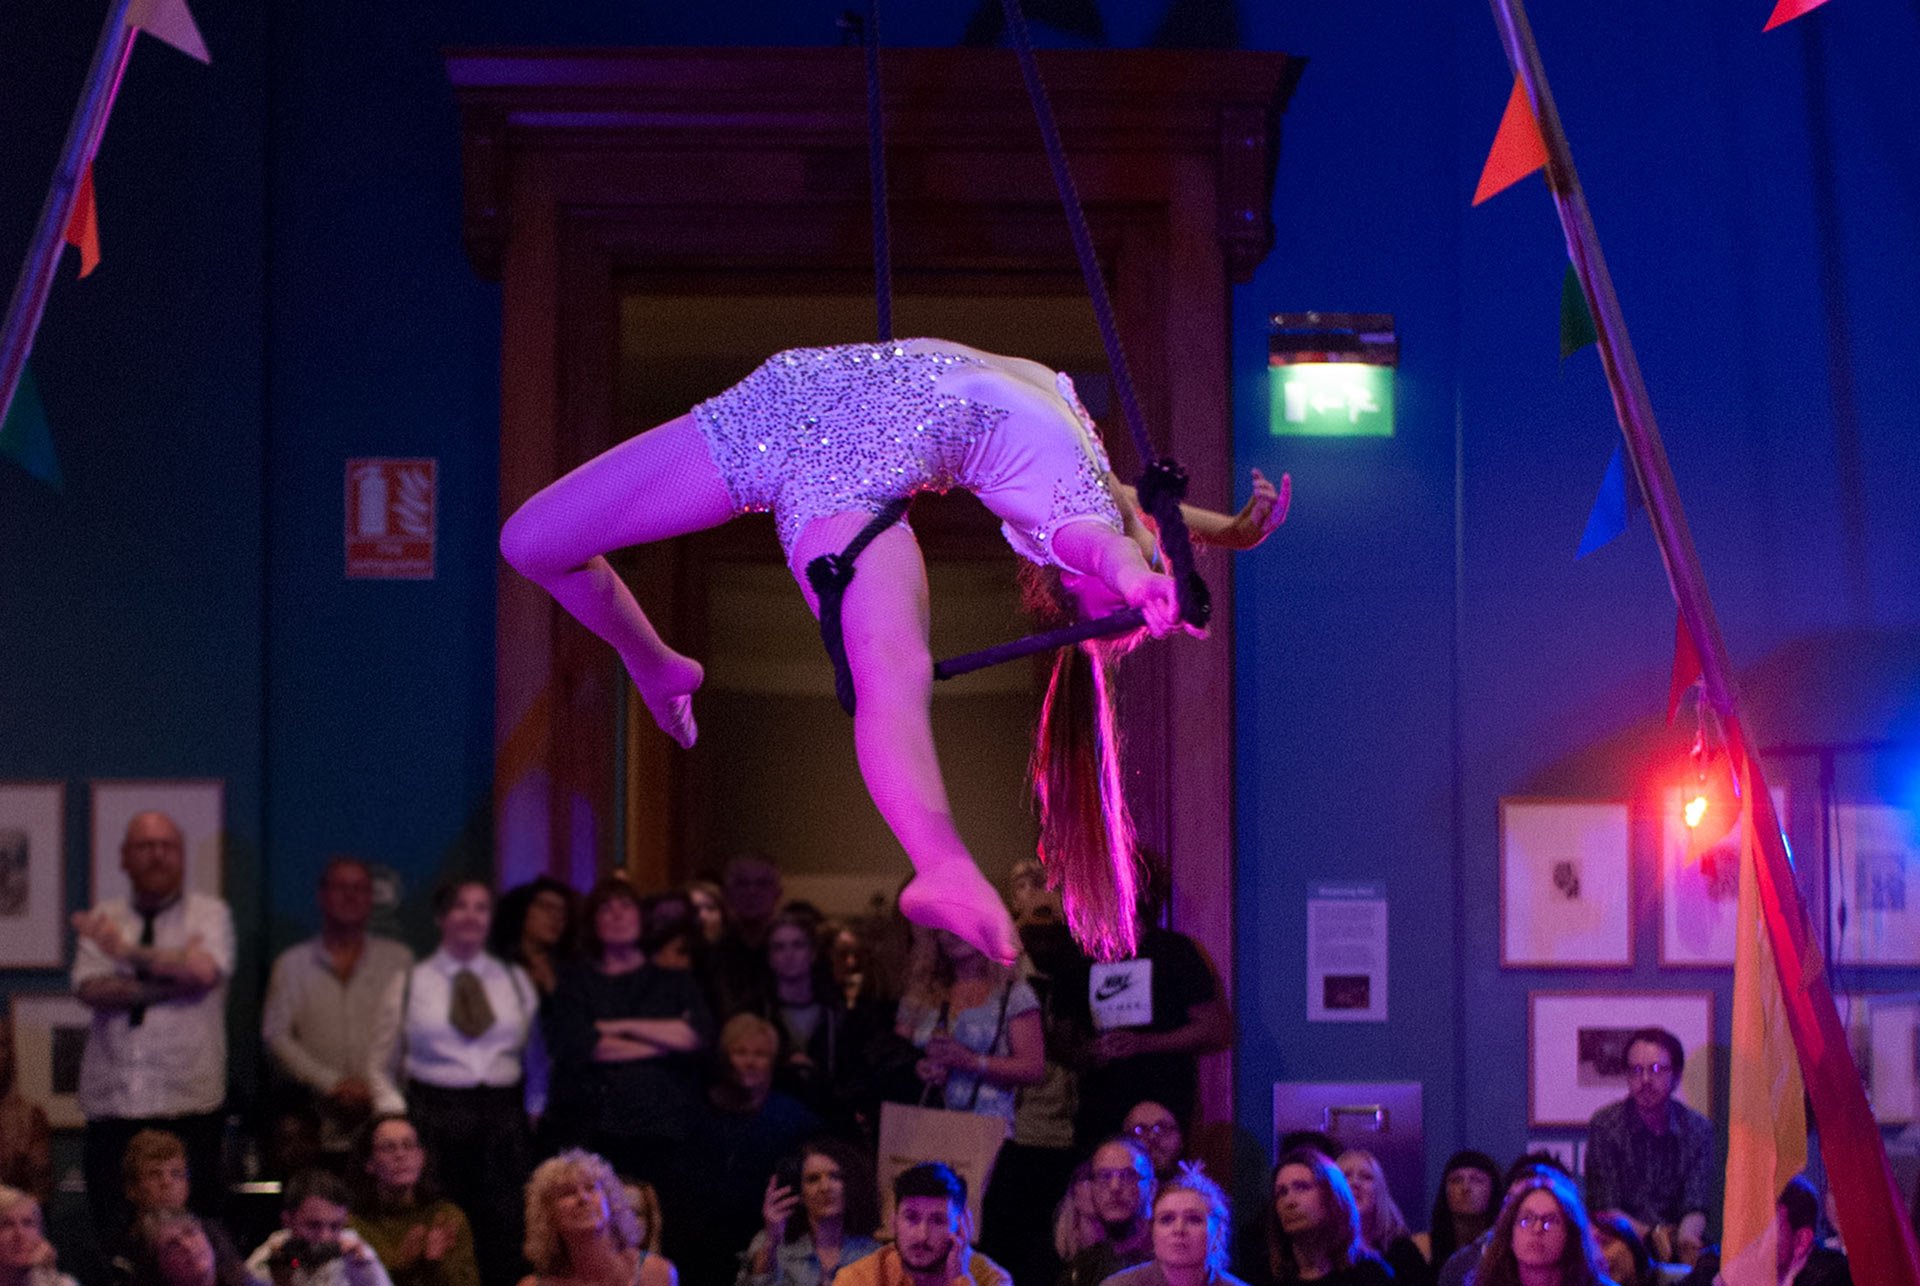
x: 29, y: 299
x: 1880, y: 1241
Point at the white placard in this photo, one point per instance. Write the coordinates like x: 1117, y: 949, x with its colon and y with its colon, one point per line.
x: 1346, y: 954
x: 1121, y: 994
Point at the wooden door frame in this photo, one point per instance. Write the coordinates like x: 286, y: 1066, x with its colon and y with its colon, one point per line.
x: 582, y: 164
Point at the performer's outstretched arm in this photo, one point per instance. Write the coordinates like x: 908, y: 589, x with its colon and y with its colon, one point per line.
x: 1265, y: 510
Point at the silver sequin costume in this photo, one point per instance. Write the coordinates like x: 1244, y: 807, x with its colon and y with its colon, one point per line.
x: 819, y: 431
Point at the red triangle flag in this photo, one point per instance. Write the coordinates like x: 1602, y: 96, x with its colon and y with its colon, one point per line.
x: 83, y: 225
x: 1686, y: 667
x: 1787, y: 10
x: 1518, y: 150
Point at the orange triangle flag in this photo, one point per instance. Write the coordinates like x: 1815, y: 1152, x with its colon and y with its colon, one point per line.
x: 1686, y: 667
x: 171, y: 21
x: 83, y: 225
x: 1518, y: 150
x: 1787, y: 10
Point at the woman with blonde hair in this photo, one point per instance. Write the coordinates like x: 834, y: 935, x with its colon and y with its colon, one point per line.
x: 26, y: 1257
x: 1190, y: 1222
x: 1382, y: 1226
x: 1076, y: 1220
x: 581, y: 1230
x: 977, y: 1023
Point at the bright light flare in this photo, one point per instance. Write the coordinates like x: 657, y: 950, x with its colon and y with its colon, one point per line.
x: 1696, y: 810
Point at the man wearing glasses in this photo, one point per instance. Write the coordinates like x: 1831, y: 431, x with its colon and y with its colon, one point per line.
x: 1650, y: 1156
x: 1123, y: 1188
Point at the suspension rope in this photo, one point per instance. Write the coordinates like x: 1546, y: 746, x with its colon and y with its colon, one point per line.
x: 1162, y: 484
x: 877, y: 177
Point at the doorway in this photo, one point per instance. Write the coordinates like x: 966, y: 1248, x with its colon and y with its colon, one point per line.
x: 774, y: 771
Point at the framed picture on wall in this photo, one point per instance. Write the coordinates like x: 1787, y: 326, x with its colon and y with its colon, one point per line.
x: 49, y: 1036
x: 1565, y: 884
x: 1892, y: 1057
x: 33, y: 875
x: 197, y: 807
x: 1875, y: 873
x: 1577, y: 1049
x: 1699, y: 892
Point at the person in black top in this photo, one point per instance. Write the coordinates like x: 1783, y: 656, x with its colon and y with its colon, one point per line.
x: 626, y: 1040
x: 1145, y: 1022
x: 1313, y: 1227
x: 824, y: 1044
x: 1463, y: 1208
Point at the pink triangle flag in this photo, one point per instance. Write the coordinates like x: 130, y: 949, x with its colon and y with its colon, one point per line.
x: 171, y: 21
x: 1787, y: 10
x: 1518, y: 150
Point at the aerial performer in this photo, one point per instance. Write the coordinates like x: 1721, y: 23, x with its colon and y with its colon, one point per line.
x: 828, y: 438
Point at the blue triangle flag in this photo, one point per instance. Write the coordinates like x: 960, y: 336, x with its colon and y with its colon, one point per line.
x: 1617, y: 500
x: 27, y: 437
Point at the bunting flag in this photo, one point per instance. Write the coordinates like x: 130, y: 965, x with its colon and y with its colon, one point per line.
x: 1576, y: 319
x: 26, y: 437
x: 171, y: 22
x: 1787, y: 10
x: 1617, y: 502
x: 1766, y: 1107
x: 83, y: 225
x: 1686, y: 667
x: 1518, y: 150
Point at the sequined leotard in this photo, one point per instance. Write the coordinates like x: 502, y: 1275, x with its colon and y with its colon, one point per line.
x: 818, y: 431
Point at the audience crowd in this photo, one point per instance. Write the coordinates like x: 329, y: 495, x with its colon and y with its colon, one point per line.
x: 643, y: 1088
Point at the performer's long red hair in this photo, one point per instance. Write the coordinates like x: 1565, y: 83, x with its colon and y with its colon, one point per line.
x: 1086, y: 832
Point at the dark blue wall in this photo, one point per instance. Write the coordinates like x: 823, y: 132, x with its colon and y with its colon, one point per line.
x: 284, y: 288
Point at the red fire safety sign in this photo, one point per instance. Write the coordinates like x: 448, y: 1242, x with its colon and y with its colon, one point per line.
x: 390, y: 519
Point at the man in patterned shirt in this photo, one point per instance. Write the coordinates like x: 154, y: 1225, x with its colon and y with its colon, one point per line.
x: 1650, y: 1157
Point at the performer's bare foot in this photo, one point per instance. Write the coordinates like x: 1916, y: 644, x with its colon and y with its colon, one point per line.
x: 957, y: 897
x: 668, y: 693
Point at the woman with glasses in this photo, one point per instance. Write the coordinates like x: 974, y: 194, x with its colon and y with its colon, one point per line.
x: 1382, y: 1226
x: 421, y: 1237
x: 1541, y: 1239
x: 1313, y: 1226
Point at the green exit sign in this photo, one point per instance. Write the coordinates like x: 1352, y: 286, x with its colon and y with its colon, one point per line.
x: 1330, y: 400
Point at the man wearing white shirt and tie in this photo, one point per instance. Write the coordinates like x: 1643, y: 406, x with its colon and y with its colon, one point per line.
x: 153, y: 967
x: 457, y: 1025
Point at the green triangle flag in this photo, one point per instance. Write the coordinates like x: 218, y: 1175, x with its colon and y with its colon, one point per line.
x: 1576, y: 320
x: 28, y: 438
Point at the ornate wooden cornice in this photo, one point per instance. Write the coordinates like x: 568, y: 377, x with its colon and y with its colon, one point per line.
x: 957, y: 120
